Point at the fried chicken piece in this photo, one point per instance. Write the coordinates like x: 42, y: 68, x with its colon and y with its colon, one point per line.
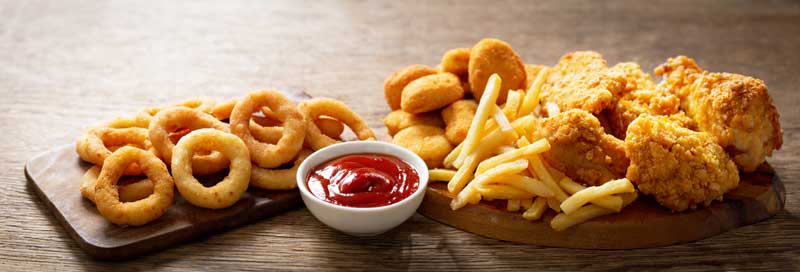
x: 581, y: 149
x: 680, y: 167
x: 735, y: 109
x: 580, y: 81
x: 678, y: 72
x: 637, y: 96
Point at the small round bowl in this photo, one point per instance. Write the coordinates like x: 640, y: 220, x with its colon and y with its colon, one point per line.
x: 362, y: 221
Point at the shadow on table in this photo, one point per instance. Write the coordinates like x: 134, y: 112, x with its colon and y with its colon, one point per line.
x: 392, y: 249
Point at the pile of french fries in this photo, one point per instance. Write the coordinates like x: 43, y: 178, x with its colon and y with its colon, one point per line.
x: 500, y: 159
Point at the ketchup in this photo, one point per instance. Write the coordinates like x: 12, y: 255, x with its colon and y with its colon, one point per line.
x: 363, y: 180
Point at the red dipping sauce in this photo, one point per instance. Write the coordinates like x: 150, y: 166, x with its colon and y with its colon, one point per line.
x: 363, y: 180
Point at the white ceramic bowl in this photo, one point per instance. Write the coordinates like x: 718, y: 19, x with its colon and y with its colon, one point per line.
x: 362, y: 221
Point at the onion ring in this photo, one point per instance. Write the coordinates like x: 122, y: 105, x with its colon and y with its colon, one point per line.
x: 175, y: 118
x: 314, y: 108
x: 271, y: 134
x: 330, y: 127
x: 139, y: 212
x: 127, y: 192
x: 223, y: 110
x: 121, y: 122
x: 92, y: 145
x: 294, y: 127
x: 269, y: 131
x: 202, y: 103
x: 230, y: 189
x: 278, y: 179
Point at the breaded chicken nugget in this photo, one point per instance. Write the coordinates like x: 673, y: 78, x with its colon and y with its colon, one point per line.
x: 491, y: 56
x: 394, y: 84
x: 680, y: 167
x: 456, y: 61
x: 431, y: 92
x: 399, y: 119
x: 426, y: 141
x: 457, y: 118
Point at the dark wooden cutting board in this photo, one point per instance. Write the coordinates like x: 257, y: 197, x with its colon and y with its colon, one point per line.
x: 643, y: 224
x: 56, y: 176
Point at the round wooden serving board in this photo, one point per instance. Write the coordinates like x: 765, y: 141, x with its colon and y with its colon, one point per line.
x: 643, y: 224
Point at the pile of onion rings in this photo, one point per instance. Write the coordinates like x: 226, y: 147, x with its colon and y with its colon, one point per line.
x: 261, y: 138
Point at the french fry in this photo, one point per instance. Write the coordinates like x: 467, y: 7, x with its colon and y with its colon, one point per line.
x: 522, y: 141
x: 523, y: 124
x: 609, y: 202
x: 531, y: 99
x: 513, y: 205
x: 467, y: 196
x: 518, y: 125
x: 537, y: 168
x: 485, y: 108
x: 501, y: 192
x: 525, y: 183
x: 537, y: 147
x: 501, y: 119
x: 582, y: 197
x: 440, y: 174
x: 554, y: 204
x: 536, y: 210
x: 472, y: 195
x: 500, y: 172
x: 463, y: 197
x: 512, y: 104
x: 451, y: 158
x: 466, y: 170
x: 563, y: 221
x: 503, y: 149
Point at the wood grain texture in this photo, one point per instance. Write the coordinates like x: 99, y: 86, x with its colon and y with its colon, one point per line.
x: 53, y: 175
x: 68, y: 64
x: 642, y: 224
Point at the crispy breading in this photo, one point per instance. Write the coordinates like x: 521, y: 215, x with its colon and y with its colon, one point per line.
x: 458, y: 117
x: 580, y: 81
x: 456, y: 61
x: 398, y: 120
x: 637, y: 96
x: 431, y: 92
x: 394, y: 84
x: 490, y: 56
x: 680, y: 167
x: 581, y: 149
x: 633, y: 78
x: 735, y: 109
x: 678, y: 72
x: 426, y: 141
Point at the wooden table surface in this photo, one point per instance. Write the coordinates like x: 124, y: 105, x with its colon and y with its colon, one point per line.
x: 67, y: 64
